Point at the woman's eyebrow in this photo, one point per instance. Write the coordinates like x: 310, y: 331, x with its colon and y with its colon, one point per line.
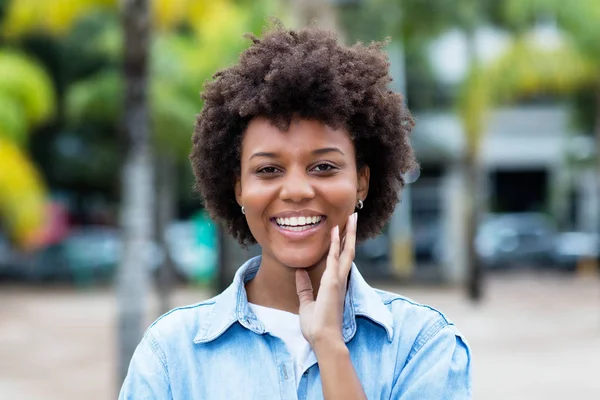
x: 324, y: 150
x: 264, y: 154
x: 328, y: 150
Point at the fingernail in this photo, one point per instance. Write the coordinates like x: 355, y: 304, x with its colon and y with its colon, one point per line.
x: 355, y: 217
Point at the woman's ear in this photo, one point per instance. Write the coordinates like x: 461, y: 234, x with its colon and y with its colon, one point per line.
x: 238, y: 190
x: 364, y: 175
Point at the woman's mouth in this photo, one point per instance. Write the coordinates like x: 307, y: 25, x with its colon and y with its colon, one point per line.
x: 298, y: 224
x: 299, y: 227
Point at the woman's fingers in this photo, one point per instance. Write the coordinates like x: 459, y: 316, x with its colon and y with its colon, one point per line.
x: 347, y: 256
x: 304, y: 287
x: 339, y: 261
x: 334, y: 249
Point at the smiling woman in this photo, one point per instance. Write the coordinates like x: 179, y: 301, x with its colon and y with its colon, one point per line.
x: 308, y: 171
x: 301, y: 148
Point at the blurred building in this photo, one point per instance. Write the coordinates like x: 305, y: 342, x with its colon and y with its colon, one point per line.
x: 531, y: 161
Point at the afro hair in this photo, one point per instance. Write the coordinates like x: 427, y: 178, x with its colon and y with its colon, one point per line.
x: 303, y: 73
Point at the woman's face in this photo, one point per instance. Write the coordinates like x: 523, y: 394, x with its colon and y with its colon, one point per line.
x: 295, y: 186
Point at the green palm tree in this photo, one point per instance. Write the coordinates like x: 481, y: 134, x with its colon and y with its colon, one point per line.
x: 26, y: 99
x: 525, y: 69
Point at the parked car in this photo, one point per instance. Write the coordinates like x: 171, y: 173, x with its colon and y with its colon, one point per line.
x: 87, y: 254
x: 43, y: 264
x: 5, y: 256
x: 516, y: 239
x: 572, y: 247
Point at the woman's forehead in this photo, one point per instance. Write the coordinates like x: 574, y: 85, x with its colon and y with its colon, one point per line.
x: 302, y: 135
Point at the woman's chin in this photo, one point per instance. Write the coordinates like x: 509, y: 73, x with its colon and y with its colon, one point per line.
x: 298, y: 260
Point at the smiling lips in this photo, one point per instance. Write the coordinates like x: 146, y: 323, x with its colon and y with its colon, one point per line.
x: 298, y: 224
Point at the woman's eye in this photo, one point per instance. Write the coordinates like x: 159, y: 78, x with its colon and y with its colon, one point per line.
x: 323, y: 168
x: 267, y: 170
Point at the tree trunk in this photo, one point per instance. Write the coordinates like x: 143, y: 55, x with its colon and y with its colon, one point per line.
x: 166, y: 188
x: 474, y: 280
x: 474, y: 139
x: 137, y: 181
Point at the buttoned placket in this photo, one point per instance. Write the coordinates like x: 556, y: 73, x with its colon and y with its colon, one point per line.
x: 285, y: 367
x: 281, y: 355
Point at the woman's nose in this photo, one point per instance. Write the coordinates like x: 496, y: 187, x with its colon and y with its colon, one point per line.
x: 296, y: 187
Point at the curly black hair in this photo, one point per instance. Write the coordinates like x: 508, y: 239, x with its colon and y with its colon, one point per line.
x: 303, y: 73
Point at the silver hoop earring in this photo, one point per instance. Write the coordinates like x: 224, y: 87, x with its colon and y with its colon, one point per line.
x: 243, y: 210
x: 360, y: 205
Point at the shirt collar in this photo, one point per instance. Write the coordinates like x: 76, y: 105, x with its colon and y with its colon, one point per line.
x: 232, y: 306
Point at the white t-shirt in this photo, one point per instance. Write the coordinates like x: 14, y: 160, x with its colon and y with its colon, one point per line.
x: 286, y: 326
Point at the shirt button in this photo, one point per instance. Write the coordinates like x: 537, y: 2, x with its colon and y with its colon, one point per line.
x: 284, y: 370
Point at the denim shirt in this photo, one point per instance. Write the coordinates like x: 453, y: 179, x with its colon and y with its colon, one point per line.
x: 218, y: 349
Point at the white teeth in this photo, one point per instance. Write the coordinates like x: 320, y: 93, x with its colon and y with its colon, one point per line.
x: 296, y: 228
x: 297, y: 222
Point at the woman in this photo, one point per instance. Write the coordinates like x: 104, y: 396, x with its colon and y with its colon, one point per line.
x: 301, y: 147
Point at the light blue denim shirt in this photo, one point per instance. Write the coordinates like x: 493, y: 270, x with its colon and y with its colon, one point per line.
x: 218, y: 349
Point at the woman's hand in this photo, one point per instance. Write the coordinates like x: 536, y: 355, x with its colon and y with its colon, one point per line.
x: 321, y: 319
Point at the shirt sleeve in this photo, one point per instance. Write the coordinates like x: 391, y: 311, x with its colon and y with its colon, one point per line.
x: 147, y: 377
x: 439, y: 369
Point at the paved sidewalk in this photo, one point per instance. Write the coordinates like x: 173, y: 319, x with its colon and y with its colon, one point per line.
x: 534, y: 337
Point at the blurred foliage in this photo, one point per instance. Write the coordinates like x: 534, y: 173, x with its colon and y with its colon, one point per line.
x: 579, y: 19
x: 525, y: 70
x: 415, y: 23
x: 27, y: 84
x: 26, y: 99
x: 408, y: 20
x: 181, y: 60
x: 95, y: 100
x: 580, y: 22
x: 55, y: 17
x: 207, y: 18
x: 13, y: 124
x: 22, y: 195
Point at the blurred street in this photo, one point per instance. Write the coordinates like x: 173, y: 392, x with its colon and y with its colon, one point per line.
x: 536, y: 336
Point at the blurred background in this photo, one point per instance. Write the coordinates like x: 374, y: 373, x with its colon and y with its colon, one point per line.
x: 101, y: 232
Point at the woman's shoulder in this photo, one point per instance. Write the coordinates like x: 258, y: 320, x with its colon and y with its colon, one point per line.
x: 414, y: 319
x: 181, y: 323
x: 431, y: 355
x: 402, y: 306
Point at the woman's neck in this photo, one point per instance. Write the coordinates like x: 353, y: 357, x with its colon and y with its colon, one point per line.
x: 274, y: 285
